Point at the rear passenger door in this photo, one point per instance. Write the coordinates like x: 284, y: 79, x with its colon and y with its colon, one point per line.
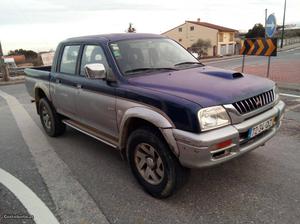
x: 65, y: 81
x: 96, y: 102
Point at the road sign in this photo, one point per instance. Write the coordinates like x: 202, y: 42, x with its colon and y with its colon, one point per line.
x: 259, y: 47
x: 271, y: 25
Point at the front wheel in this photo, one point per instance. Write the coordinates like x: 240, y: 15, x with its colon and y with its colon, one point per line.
x: 153, y: 164
x: 51, y: 121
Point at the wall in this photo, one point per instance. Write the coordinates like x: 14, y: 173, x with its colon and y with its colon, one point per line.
x: 189, y: 37
x: 226, y: 41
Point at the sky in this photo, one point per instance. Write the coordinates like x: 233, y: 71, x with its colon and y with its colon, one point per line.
x: 41, y: 24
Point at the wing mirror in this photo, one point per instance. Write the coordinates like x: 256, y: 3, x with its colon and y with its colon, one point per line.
x: 95, y: 71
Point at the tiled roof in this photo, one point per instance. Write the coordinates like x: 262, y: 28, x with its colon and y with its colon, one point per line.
x: 213, y: 26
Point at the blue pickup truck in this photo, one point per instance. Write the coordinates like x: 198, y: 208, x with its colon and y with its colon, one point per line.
x: 149, y: 98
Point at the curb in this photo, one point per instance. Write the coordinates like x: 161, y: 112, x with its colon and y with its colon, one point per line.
x: 12, y: 82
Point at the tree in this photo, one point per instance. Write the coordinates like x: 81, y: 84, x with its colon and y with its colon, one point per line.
x: 131, y: 29
x: 258, y: 30
x: 200, y: 47
x: 29, y: 54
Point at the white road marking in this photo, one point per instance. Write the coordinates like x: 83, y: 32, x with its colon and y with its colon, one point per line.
x: 35, y: 207
x: 73, y: 202
x: 290, y: 95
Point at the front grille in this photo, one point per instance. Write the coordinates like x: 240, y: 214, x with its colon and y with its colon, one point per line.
x: 253, y: 103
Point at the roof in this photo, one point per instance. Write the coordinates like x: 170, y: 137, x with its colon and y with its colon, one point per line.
x: 213, y: 26
x: 114, y: 37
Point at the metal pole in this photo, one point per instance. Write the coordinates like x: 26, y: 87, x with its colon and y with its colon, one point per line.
x: 266, y: 16
x: 282, y: 32
x: 1, y: 54
x: 3, y: 66
x: 243, y: 63
x: 269, y: 61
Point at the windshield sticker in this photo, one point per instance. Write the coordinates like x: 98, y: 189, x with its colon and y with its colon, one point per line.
x: 116, y: 50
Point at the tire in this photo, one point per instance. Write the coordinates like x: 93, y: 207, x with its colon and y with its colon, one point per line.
x: 154, y: 166
x: 51, y: 121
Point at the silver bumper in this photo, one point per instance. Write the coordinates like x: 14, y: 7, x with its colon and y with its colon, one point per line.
x: 199, y: 150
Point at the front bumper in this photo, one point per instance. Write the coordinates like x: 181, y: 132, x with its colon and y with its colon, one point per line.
x: 199, y: 150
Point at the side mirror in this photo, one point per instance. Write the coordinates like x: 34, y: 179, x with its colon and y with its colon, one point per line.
x: 95, y: 71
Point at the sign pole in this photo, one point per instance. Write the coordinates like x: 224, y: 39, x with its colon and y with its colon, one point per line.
x: 270, y: 30
x: 243, y: 63
x: 268, y: 71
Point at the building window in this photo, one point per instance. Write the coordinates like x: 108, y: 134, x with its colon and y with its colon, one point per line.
x: 221, y: 35
x: 180, y: 40
x: 192, y: 28
x: 231, y: 37
x: 180, y: 29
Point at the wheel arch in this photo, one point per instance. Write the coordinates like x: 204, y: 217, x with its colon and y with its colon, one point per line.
x: 137, y: 117
x: 40, y: 91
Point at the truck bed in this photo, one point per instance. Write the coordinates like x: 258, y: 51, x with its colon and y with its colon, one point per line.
x: 37, y: 76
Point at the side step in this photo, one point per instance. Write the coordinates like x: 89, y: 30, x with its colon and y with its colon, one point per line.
x: 92, y: 133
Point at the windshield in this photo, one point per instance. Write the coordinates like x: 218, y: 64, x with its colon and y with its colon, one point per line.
x: 147, y: 55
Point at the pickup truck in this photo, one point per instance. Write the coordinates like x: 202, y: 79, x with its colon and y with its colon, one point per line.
x: 153, y: 101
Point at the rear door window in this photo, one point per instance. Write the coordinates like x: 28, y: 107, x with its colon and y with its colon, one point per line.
x: 69, y: 59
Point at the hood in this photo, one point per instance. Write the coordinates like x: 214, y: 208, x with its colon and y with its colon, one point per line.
x: 206, y: 86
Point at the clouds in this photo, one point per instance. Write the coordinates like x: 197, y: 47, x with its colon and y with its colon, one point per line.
x: 41, y: 24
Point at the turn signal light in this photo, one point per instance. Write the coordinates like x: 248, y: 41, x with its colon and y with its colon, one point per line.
x: 224, y: 144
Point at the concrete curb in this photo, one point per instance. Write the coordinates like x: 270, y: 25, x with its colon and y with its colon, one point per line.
x: 12, y: 82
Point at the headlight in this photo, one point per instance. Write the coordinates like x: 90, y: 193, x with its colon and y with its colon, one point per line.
x: 213, y: 117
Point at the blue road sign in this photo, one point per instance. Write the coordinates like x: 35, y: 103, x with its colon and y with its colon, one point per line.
x: 271, y: 25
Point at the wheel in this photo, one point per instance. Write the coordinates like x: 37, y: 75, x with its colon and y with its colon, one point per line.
x: 153, y: 164
x: 50, y: 119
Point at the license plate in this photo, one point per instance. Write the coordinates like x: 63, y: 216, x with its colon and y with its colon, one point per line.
x: 256, y: 130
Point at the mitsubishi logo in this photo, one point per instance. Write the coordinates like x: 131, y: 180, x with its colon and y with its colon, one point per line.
x: 258, y: 102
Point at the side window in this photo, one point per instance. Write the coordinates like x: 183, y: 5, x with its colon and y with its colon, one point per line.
x: 92, y: 54
x: 69, y: 59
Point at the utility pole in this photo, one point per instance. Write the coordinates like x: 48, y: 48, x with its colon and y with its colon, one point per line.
x: 3, y: 66
x: 283, y: 23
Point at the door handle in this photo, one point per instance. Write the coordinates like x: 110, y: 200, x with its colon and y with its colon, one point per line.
x: 79, y: 86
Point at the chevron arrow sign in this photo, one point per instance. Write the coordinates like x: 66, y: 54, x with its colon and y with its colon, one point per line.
x: 259, y: 47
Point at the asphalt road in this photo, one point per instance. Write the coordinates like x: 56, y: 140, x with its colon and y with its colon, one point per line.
x: 259, y: 187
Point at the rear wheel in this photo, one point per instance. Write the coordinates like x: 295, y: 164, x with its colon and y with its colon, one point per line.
x: 153, y: 164
x: 51, y: 121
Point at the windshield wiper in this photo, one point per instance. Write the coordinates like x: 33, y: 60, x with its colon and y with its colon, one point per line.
x: 189, y: 63
x: 148, y: 69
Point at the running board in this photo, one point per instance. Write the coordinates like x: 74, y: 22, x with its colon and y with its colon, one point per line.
x: 90, y: 132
